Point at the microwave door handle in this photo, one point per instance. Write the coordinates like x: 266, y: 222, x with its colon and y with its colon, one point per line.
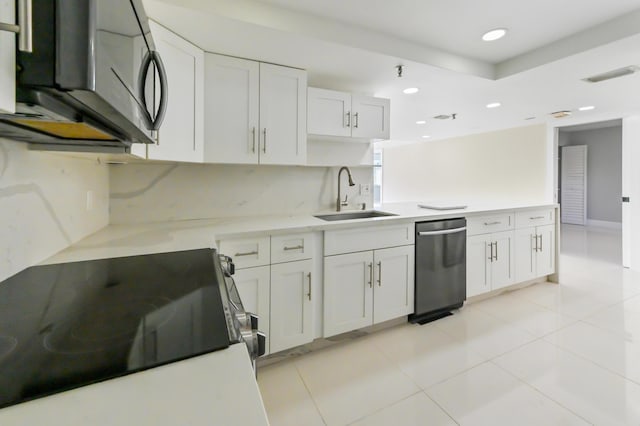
x: 164, y: 90
x: 142, y: 82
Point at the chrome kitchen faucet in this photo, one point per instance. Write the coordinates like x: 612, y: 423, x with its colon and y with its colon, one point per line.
x: 339, y: 202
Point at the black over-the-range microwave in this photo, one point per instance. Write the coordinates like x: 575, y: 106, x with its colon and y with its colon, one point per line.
x: 91, y: 80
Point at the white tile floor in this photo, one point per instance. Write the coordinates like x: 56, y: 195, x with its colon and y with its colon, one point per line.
x: 545, y: 355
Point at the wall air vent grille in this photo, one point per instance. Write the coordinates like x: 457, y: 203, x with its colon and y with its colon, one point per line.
x: 620, y: 72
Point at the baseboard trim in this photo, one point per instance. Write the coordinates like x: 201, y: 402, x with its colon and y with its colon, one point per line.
x: 604, y: 224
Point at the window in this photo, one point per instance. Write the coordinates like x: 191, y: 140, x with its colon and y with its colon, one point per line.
x: 377, y: 177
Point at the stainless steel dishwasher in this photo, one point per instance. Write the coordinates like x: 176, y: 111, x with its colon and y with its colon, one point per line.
x: 440, y: 275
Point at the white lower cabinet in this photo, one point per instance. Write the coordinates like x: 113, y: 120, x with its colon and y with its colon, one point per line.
x: 490, y: 262
x: 534, y: 252
x: 254, y: 284
x: 291, y: 304
x: 393, y: 296
x: 366, y: 288
x: 348, y: 292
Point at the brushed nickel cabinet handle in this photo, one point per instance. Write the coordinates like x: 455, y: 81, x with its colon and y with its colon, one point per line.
x: 249, y: 253
x: 309, y: 277
x: 348, y: 114
x: 492, y: 223
x: 371, y: 275
x: 540, y: 236
x: 356, y: 120
x: 536, y: 246
x: 264, y: 140
x: 536, y: 217
x: 490, y: 252
x: 299, y: 247
x: 24, y: 29
x: 379, y: 274
x: 253, y: 132
x: 496, y: 244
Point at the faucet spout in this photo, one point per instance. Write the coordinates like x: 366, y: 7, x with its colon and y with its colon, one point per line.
x: 339, y: 202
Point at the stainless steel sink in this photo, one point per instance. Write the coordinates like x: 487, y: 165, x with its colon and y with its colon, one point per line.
x: 354, y: 215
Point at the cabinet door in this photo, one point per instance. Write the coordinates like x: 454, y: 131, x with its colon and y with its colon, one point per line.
x: 328, y: 112
x: 253, y: 284
x: 478, y: 265
x: 231, y: 110
x: 7, y: 59
x: 370, y: 117
x: 546, y: 256
x: 502, y: 267
x: 181, y: 136
x: 283, y: 115
x: 348, y: 292
x: 393, y: 283
x: 291, y: 308
x: 525, y: 254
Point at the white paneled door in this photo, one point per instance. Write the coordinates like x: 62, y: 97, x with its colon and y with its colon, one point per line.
x: 573, y: 195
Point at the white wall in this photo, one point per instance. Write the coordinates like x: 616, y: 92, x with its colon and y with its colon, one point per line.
x: 43, y: 204
x: 159, y: 192
x: 507, y: 165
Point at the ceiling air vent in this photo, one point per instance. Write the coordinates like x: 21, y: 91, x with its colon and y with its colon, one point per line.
x: 445, y: 116
x: 560, y: 114
x: 620, y: 72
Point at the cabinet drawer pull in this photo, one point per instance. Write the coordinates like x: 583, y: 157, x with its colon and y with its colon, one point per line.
x: 348, y: 114
x: 309, y: 277
x: 492, y: 223
x: 249, y: 253
x: 299, y: 247
x: 536, y: 217
x: 355, y: 116
x: 496, y: 244
x: 371, y: 275
x: 379, y: 274
x: 536, y: 246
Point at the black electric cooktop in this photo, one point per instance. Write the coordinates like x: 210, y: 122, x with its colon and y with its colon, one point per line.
x: 67, y: 325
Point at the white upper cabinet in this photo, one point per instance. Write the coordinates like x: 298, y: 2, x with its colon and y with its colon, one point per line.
x: 181, y: 135
x: 232, y: 108
x: 283, y: 115
x: 370, y: 117
x: 329, y: 112
x: 255, y: 112
x: 7, y: 59
x: 340, y: 114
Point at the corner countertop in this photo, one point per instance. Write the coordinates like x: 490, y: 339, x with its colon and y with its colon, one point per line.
x: 135, y: 239
x: 187, y: 392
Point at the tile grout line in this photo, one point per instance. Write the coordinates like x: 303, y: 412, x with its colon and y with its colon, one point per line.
x: 304, y: 383
x: 539, y: 391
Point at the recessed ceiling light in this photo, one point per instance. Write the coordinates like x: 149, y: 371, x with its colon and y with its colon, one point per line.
x: 586, y: 108
x: 426, y: 136
x: 494, y: 34
x: 421, y: 122
x: 411, y: 90
x: 494, y: 105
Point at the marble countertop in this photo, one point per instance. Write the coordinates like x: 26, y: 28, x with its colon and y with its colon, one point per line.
x: 187, y: 392
x: 129, y: 240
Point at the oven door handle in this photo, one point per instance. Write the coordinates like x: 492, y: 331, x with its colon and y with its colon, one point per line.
x: 442, y: 232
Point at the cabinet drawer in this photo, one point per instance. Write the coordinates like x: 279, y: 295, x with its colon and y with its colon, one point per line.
x: 367, y: 238
x: 287, y: 248
x: 527, y: 218
x: 489, y: 223
x: 247, y: 252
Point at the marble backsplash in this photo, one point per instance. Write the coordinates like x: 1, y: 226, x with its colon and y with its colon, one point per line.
x: 159, y: 192
x: 43, y: 204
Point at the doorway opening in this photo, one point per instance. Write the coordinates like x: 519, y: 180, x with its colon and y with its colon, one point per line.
x: 590, y: 177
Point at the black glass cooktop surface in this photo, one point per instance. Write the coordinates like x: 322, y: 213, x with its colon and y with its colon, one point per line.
x: 67, y: 325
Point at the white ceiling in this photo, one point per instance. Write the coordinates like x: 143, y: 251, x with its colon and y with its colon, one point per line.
x: 346, y: 57
x: 456, y: 26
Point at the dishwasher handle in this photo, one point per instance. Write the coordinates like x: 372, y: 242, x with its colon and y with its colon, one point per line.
x: 443, y: 232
